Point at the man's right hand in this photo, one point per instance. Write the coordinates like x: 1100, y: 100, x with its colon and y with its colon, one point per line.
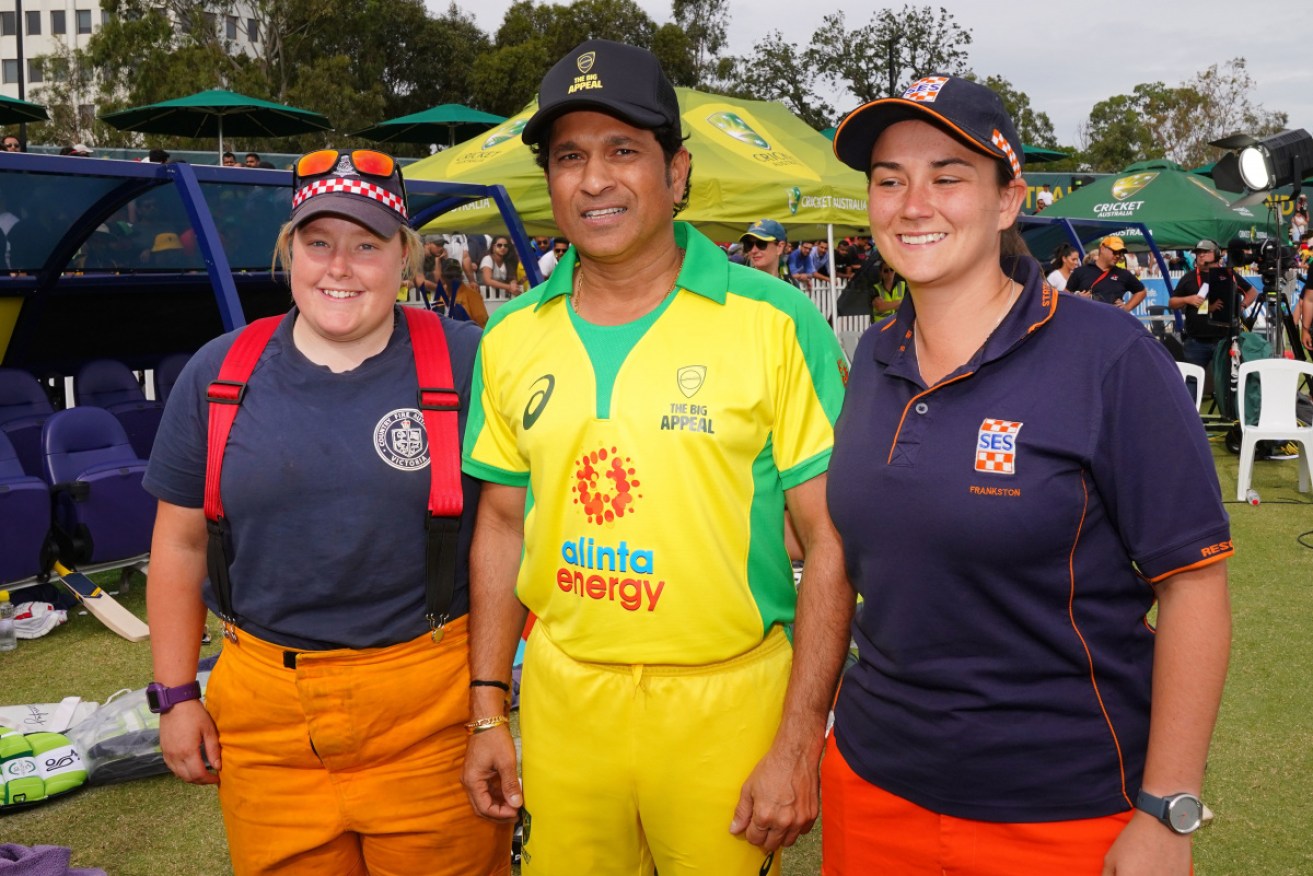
x: 184, y: 730
x: 489, y: 778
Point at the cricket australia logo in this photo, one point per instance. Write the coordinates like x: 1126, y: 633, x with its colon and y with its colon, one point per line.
x: 401, y: 441
x: 1126, y: 186
x: 996, y: 446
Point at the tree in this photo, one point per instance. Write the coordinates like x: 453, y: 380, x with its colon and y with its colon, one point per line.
x: 1217, y: 102
x: 533, y: 37
x: 138, y: 56
x: 778, y: 70
x: 1177, y: 123
x: 882, y: 57
x: 704, y: 23
x: 1117, y: 133
x: 1034, y: 128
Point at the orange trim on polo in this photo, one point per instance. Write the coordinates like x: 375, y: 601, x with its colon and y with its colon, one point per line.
x: 923, y: 393
x: 1048, y: 290
x: 1071, y: 615
x: 1207, y: 561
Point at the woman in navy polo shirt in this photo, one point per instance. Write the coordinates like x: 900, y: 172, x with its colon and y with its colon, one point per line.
x: 1012, y: 710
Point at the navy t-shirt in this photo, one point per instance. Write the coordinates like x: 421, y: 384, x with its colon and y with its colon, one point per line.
x: 1005, y: 659
x: 325, y: 483
x: 1110, y: 286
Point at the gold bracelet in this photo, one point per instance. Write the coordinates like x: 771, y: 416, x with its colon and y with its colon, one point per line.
x: 484, y: 724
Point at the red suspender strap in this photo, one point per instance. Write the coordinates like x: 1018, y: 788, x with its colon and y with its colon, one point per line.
x: 439, y: 404
x: 225, y: 396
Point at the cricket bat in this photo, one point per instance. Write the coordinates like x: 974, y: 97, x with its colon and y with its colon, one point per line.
x: 106, y: 609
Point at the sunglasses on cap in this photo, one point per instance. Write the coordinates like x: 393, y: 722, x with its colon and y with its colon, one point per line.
x: 367, y: 162
x: 754, y: 243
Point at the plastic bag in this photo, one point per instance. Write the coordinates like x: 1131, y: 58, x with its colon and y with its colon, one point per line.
x: 121, y: 740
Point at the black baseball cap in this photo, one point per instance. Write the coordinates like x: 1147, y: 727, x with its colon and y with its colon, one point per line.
x: 623, y: 81
x: 966, y: 110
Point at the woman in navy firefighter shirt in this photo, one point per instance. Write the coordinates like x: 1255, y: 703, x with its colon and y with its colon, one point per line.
x: 1012, y: 710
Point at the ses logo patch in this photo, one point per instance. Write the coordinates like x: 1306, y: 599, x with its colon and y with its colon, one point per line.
x: 996, y: 446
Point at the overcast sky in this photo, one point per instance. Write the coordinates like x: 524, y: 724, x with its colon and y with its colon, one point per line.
x: 1066, y: 56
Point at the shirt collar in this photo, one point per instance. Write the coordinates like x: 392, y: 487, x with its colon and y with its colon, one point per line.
x: 705, y: 271
x: 1035, y: 306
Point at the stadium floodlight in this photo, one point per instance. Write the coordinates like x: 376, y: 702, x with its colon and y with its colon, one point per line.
x: 1262, y: 165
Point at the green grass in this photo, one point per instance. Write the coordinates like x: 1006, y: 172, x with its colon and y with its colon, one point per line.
x: 1260, y: 772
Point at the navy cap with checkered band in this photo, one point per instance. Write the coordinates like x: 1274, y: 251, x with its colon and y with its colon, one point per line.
x: 966, y: 110
x: 375, y: 201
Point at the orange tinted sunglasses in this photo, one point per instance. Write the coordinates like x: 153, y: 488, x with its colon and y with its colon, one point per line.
x: 366, y: 161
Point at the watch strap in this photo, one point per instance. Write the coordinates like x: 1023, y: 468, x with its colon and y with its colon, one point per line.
x: 1161, y: 809
x: 160, y: 699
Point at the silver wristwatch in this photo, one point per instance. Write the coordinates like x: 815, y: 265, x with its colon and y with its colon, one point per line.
x: 1182, y: 813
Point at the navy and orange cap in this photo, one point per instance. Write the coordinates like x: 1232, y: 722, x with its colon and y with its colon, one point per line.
x: 966, y: 110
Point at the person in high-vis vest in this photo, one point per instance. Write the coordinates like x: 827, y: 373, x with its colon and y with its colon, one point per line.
x: 335, y: 721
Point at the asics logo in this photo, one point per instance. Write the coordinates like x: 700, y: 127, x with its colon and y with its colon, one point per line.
x: 540, y: 394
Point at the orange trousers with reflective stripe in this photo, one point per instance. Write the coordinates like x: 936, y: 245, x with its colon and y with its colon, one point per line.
x: 869, y: 831
x: 350, y: 762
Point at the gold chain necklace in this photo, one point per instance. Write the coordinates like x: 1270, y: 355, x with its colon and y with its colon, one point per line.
x: 579, y: 276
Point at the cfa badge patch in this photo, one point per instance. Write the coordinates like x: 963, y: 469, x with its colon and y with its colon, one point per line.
x: 401, y: 441
x: 996, y: 446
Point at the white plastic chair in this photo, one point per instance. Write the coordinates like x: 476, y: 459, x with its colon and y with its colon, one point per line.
x: 1279, y: 382
x: 1196, y: 373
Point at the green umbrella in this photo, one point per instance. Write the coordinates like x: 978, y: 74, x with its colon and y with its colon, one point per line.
x: 216, y: 112
x: 13, y: 111
x: 752, y: 159
x: 1040, y: 155
x: 449, y: 121
x: 1180, y: 208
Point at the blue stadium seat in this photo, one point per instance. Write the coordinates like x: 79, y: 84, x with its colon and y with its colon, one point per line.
x: 103, y: 516
x: 108, y: 384
x: 24, y: 518
x: 166, y: 374
x: 24, y: 406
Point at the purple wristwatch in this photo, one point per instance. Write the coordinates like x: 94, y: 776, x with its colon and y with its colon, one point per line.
x: 159, y: 699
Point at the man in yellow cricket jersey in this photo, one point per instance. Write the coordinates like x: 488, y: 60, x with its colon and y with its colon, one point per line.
x: 639, y: 420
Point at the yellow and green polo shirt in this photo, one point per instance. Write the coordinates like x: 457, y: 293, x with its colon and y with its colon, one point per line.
x: 656, y: 455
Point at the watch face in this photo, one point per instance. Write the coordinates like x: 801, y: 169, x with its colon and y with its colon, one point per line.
x: 1185, y: 813
x: 153, y: 697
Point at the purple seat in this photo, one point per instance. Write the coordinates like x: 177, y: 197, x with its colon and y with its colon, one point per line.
x: 24, y: 518
x: 166, y: 374
x: 102, y: 514
x: 108, y: 384
x: 24, y: 406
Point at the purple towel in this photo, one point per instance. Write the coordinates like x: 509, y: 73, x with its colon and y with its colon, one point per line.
x: 16, y: 860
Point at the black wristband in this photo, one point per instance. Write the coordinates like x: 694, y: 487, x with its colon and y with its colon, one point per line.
x: 501, y: 685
